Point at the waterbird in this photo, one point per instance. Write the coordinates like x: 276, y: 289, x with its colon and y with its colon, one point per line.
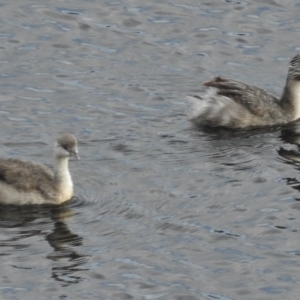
x: 233, y: 104
x: 27, y: 182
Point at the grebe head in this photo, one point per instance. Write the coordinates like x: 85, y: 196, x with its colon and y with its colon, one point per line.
x: 66, y: 146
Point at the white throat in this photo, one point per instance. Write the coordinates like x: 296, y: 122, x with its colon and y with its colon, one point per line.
x: 295, y: 88
x: 61, y: 169
x: 62, y: 178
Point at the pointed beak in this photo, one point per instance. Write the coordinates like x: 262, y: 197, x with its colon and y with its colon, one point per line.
x: 75, y: 153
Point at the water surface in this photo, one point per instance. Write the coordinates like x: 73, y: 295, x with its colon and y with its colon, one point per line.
x: 162, y: 210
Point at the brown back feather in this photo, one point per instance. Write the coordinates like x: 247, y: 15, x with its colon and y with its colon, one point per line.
x: 256, y: 100
x: 27, y: 176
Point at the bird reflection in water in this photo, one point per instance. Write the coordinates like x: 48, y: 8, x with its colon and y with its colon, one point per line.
x: 291, y: 135
x: 31, y: 221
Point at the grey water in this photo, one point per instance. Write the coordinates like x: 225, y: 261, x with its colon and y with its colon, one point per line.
x: 162, y: 210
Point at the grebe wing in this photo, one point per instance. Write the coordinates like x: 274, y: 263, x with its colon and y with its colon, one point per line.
x: 256, y: 100
x: 23, y: 175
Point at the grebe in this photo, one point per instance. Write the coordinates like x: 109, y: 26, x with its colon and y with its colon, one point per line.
x: 233, y: 104
x: 25, y: 182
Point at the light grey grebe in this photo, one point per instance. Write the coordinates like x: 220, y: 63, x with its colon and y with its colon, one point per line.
x: 233, y: 104
x: 25, y: 182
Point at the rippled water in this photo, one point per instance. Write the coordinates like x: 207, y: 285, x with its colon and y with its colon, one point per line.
x: 162, y: 210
